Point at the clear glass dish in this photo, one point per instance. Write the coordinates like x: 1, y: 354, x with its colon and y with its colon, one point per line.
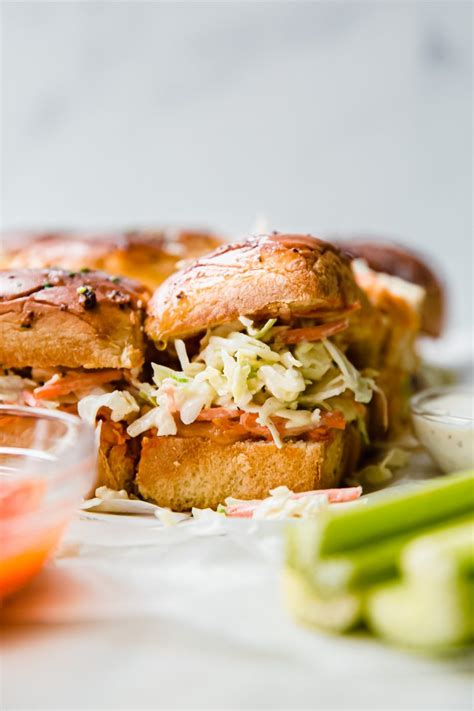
x: 443, y: 420
x: 47, y: 463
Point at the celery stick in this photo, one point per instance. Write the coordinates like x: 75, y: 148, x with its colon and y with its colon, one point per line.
x: 412, y: 615
x: 364, y: 566
x: 358, y: 569
x: 444, y: 553
x: 300, y: 542
x: 378, y: 517
x: 433, y: 608
x: 337, y: 614
x: 394, y: 512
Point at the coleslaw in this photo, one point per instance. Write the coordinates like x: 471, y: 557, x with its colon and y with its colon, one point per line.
x: 249, y: 375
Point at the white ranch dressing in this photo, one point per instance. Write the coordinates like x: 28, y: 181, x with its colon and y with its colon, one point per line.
x: 444, y: 424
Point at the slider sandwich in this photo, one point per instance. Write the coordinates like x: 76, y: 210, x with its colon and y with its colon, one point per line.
x: 277, y: 364
x: 408, y: 268
x: 274, y: 376
x: 74, y: 341
x: 410, y: 298
x: 148, y: 256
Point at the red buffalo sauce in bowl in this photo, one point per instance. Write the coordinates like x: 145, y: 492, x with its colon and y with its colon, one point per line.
x: 47, y: 463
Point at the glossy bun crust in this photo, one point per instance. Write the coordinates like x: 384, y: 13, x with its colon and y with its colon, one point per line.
x: 149, y: 256
x: 282, y: 276
x: 51, y: 318
x: 399, y: 261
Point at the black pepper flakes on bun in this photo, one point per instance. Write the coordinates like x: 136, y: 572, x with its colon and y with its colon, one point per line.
x: 54, y: 317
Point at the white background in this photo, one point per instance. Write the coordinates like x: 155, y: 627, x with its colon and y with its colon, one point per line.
x: 321, y: 116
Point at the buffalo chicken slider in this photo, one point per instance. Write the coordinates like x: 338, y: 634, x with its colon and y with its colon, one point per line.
x: 74, y: 341
x: 148, y: 256
x: 262, y: 391
x: 408, y: 268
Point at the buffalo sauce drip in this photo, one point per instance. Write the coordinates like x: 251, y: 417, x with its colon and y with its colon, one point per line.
x: 242, y: 426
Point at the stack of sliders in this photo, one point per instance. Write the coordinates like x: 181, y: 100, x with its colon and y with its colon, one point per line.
x: 149, y: 256
x: 269, y: 357
x: 400, y: 561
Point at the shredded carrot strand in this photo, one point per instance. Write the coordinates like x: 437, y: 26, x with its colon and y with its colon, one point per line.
x: 72, y: 382
x: 313, y: 333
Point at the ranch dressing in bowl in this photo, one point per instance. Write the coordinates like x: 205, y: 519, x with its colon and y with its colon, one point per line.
x: 443, y: 420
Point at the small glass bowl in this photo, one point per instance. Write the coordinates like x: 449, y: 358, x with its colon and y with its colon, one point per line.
x: 47, y: 463
x: 443, y: 420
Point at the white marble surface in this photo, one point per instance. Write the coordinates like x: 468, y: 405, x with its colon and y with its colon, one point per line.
x: 323, y: 116
x: 133, y: 616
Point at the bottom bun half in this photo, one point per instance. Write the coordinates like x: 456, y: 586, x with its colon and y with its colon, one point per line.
x: 184, y: 472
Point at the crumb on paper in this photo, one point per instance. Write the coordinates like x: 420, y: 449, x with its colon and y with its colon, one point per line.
x: 104, y: 493
x: 170, y: 518
x: 381, y: 472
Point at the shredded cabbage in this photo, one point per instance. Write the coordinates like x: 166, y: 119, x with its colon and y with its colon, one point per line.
x: 314, y: 358
x: 360, y: 386
x: 380, y: 472
x: 236, y: 368
x: 120, y: 403
x: 331, y: 385
x: 257, y: 332
x: 281, y: 504
x: 12, y: 388
x: 181, y: 353
x: 160, y: 417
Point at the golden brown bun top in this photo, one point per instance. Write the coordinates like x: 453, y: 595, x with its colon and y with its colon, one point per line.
x: 276, y: 275
x: 38, y: 250
x: 53, y: 318
x: 70, y: 291
x: 397, y: 260
x: 147, y: 255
